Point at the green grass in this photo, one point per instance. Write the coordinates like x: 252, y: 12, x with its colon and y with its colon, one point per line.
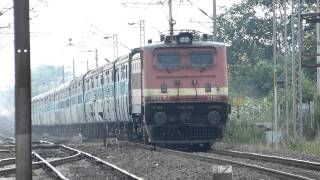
x: 309, y: 147
x: 241, y: 132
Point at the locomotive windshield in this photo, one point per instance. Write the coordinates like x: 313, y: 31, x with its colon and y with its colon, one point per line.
x: 201, y: 59
x: 168, y: 60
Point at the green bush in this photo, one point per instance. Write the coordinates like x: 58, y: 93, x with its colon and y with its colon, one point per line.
x: 306, y: 147
x: 241, y: 132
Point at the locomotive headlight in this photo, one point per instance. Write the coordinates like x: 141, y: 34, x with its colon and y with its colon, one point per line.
x: 160, y: 118
x: 214, y: 117
x: 207, y: 87
x: 184, y: 38
x: 163, y: 88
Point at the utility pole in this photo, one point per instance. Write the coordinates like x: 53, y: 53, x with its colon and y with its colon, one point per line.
x: 293, y: 54
x: 318, y: 51
x: 115, y: 46
x: 299, y: 120
x: 97, y: 58
x: 275, y: 102
x: 62, y: 73
x: 286, y: 70
x: 142, y: 33
x: 73, y: 69
x: 296, y: 69
x: 87, y: 65
x: 22, y: 90
x: 214, y: 18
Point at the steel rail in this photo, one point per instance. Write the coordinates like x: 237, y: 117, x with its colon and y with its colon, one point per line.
x: 7, y: 161
x: 210, y: 159
x: 4, y: 151
x: 8, y: 146
x: 46, y: 142
x: 38, y: 165
x: 55, y: 171
x: 78, y: 155
x: 34, y: 146
x: 99, y: 161
x: 269, y: 158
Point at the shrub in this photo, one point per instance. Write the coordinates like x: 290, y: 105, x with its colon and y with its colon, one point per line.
x: 241, y: 132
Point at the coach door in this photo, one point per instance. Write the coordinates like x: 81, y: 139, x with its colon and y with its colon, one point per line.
x: 136, y: 88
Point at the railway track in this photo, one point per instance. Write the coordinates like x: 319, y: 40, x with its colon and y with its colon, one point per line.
x: 207, y: 157
x: 56, y: 166
x: 268, y: 158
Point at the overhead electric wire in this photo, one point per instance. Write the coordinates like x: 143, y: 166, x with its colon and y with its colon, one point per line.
x: 165, y: 12
x: 150, y: 3
x: 5, y: 7
x: 201, y: 10
x: 95, y: 27
x: 2, y: 12
x: 105, y: 35
x: 177, y: 12
x: 201, y: 23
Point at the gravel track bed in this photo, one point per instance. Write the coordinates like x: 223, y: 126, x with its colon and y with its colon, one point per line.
x: 37, y: 174
x: 7, y: 155
x: 282, y: 152
x: 85, y: 170
x: 40, y: 174
x: 52, y: 153
x: 156, y: 165
x: 289, y: 169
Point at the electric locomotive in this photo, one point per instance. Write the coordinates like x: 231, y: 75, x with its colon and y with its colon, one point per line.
x: 171, y: 92
x: 185, y: 90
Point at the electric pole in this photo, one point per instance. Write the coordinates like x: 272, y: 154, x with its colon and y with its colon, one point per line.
x: 73, y: 69
x: 142, y: 33
x: 87, y: 65
x: 318, y: 51
x: 97, y: 65
x: 275, y: 102
x: 22, y: 90
x: 214, y: 19
x: 62, y: 74
x: 286, y: 70
x: 115, y: 46
x: 296, y: 69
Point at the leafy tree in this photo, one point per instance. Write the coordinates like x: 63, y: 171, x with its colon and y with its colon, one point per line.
x: 250, y: 53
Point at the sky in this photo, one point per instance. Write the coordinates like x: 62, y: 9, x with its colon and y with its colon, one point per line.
x: 63, y: 31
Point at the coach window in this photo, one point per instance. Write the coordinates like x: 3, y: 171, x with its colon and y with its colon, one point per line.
x: 97, y: 81
x: 122, y: 73
x: 117, y: 75
x: 112, y: 75
x: 108, y: 77
x: 126, y: 72
x: 92, y: 83
x: 87, y: 84
x: 101, y: 79
x: 201, y: 60
x: 168, y: 60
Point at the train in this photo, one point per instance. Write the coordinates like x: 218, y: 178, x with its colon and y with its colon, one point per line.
x: 173, y: 92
